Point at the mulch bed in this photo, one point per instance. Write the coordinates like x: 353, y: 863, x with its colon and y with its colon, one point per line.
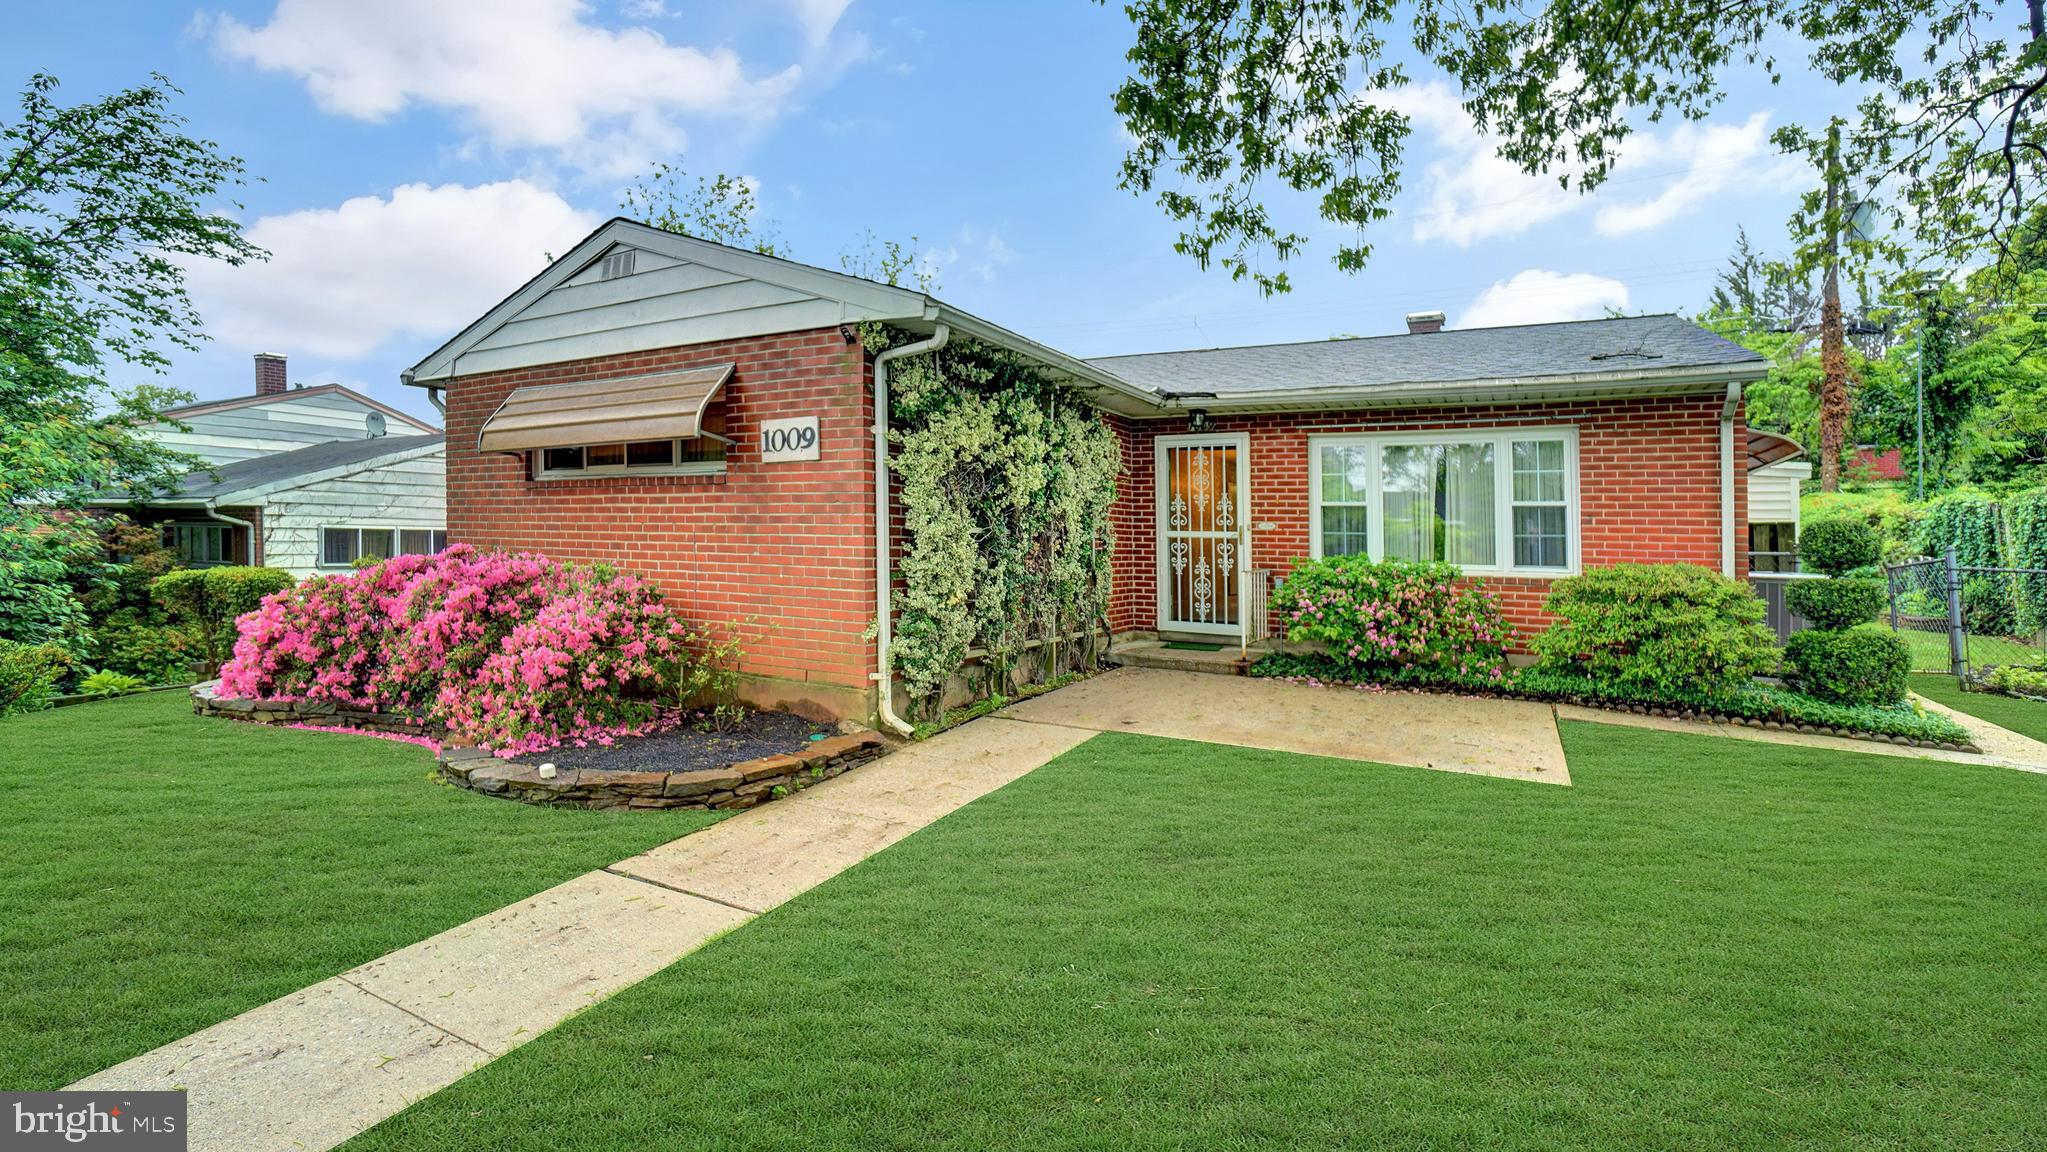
x: 687, y: 749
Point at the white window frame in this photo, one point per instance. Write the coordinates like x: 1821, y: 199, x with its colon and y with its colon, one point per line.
x: 397, y: 532
x: 685, y: 468
x: 1502, y: 440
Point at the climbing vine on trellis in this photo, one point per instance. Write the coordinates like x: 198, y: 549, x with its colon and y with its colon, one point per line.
x: 1006, y: 478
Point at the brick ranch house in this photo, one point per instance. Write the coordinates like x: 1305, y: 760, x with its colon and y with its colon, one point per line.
x: 706, y: 416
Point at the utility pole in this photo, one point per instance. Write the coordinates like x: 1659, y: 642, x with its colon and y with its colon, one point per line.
x: 1833, y: 341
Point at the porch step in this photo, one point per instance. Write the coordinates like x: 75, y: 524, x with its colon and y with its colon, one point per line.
x: 1155, y: 654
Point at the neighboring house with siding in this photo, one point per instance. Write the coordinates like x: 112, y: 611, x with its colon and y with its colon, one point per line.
x: 306, y: 479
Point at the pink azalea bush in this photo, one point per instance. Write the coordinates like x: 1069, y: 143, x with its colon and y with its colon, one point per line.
x: 509, y: 651
x: 1395, y: 618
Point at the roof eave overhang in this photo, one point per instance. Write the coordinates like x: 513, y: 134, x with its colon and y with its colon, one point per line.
x: 1504, y: 390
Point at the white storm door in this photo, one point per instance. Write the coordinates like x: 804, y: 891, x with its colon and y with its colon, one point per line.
x: 1203, y: 486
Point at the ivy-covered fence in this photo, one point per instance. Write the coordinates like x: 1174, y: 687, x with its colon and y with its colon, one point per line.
x: 1991, y: 534
x: 1006, y: 478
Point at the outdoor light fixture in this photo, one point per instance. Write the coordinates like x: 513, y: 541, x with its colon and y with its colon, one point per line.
x: 1197, y: 420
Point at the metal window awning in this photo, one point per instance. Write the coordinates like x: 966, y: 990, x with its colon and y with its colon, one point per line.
x: 656, y: 406
x: 1767, y: 448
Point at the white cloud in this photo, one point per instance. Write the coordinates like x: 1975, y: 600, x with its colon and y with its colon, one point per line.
x: 521, y: 73
x: 819, y: 17
x: 342, y: 281
x: 1717, y: 159
x: 643, y: 9
x: 1468, y: 193
x: 976, y: 250
x: 1537, y: 296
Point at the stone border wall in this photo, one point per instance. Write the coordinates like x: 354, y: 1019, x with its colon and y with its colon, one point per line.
x: 207, y: 701
x: 740, y: 785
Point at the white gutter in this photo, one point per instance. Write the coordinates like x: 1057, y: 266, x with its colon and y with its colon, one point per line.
x: 1727, y: 477
x: 248, y: 548
x: 884, y: 680
x: 1515, y: 389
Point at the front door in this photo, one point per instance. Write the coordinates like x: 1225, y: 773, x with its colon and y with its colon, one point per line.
x: 1203, y: 491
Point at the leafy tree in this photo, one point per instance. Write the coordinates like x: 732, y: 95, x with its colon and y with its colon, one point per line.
x: 101, y: 206
x: 1232, y: 101
x: 720, y: 208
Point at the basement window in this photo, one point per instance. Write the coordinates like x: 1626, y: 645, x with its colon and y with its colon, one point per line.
x: 694, y: 456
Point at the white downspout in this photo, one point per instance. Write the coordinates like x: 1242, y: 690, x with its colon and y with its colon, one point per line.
x: 884, y: 691
x: 1727, y: 478
x: 248, y: 531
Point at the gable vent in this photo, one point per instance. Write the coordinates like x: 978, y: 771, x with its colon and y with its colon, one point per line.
x: 617, y: 264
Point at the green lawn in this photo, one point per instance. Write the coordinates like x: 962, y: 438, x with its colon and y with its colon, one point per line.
x: 1930, y: 650
x: 1151, y: 944
x: 160, y: 872
x: 2025, y: 717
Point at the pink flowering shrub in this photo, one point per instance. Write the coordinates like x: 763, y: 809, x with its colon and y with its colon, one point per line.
x: 510, y: 651
x: 1394, y: 618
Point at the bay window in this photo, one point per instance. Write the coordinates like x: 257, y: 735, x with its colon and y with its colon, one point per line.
x: 1487, y: 500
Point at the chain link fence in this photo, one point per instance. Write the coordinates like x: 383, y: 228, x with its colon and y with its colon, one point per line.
x: 1962, y: 619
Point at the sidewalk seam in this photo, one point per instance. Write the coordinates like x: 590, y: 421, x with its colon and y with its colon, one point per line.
x: 613, y: 870
x: 441, y: 1028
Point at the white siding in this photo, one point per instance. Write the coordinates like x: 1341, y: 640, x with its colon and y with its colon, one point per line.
x: 276, y: 426
x: 406, y: 494
x: 1773, y: 492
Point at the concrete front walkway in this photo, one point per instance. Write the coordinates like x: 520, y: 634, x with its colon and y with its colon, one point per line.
x: 1509, y: 738
x: 314, y: 1068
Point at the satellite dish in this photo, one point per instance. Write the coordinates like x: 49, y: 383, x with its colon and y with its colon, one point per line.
x: 374, y: 422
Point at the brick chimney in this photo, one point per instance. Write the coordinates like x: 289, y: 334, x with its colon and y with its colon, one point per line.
x: 269, y: 374
x: 1420, y: 323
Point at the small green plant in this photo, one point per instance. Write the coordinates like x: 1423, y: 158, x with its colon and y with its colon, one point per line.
x: 105, y: 683
x: 1838, y: 546
x: 1837, y: 603
x: 2018, y: 680
x: 1853, y: 666
x: 704, y: 678
x: 29, y: 674
x: 1657, y: 628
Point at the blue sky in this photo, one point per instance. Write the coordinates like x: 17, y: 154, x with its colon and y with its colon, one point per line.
x: 417, y: 158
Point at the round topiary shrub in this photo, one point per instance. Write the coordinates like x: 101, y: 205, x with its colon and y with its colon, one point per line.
x: 1838, y: 546
x: 1657, y: 628
x: 1862, y: 666
x: 1836, y: 603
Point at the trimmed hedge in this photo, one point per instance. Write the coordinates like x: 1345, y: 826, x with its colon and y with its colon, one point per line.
x: 1840, y: 602
x: 1751, y: 704
x: 1656, y: 628
x: 1836, y: 547
x: 1850, y: 667
x: 210, y: 600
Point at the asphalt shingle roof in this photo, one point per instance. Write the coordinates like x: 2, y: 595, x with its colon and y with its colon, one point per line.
x: 1622, y: 346
x: 245, y: 474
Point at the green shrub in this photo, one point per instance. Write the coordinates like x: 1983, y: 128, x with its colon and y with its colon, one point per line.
x: 209, y: 600
x: 1395, y: 614
x: 1841, y: 602
x: 1987, y: 608
x: 2018, y: 680
x: 1656, y: 627
x: 29, y: 674
x: 105, y: 683
x: 1859, y: 666
x: 156, y: 651
x: 1889, y: 511
x: 2027, y: 513
x: 1965, y: 520
x: 1838, y: 546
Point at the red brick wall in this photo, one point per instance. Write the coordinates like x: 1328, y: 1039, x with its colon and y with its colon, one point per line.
x: 1648, y: 482
x: 788, y: 545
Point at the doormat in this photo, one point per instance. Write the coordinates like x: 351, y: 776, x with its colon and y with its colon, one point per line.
x: 1190, y: 646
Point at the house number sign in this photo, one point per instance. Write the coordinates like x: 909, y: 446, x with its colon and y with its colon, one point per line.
x: 791, y: 439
